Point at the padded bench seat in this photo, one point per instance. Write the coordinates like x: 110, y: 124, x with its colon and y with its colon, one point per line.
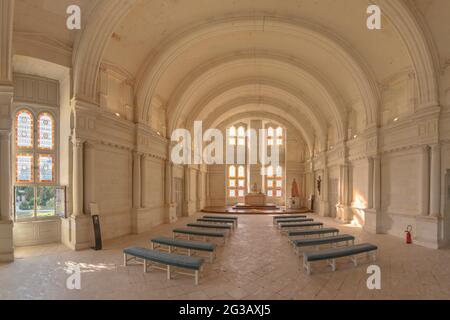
x: 210, y: 226
x: 184, y: 244
x: 214, y: 220
x: 164, y: 258
x: 332, y: 254
x: 288, y: 216
x: 310, y: 242
x: 286, y: 226
x: 223, y: 217
x: 295, y: 220
x: 199, y: 233
x: 313, y: 232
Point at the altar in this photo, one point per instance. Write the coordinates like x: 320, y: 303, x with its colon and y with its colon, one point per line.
x: 255, y: 199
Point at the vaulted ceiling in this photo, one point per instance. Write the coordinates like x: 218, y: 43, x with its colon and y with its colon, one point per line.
x: 309, y: 63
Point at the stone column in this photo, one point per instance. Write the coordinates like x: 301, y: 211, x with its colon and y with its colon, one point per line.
x: 144, y: 182
x: 80, y: 228
x: 376, y: 195
x: 6, y: 95
x: 207, y: 190
x: 5, y: 174
x: 78, y: 173
x: 324, y: 204
x: 6, y: 32
x: 344, y: 210
x: 188, y: 191
x: 6, y: 223
x: 137, y: 180
x: 199, y: 190
x: 435, y: 181
x: 171, y: 215
x: 372, y: 221
x: 425, y: 181
x: 370, y: 175
x: 137, y: 192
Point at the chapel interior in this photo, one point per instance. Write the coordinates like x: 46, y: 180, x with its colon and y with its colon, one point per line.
x: 360, y: 117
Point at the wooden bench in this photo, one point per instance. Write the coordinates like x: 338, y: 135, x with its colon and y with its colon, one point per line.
x: 288, y: 216
x: 205, y: 235
x: 169, y: 260
x: 334, y: 253
x: 316, y: 242
x: 189, y: 245
x: 313, y: 232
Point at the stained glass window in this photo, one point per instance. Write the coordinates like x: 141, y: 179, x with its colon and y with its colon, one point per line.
x: 270, y: 172
x: 241, y: 172
x: 279, y: 132
x: 232, y: 171
x: 46, y: 166
x: 24, y: 168
x: 279, y: 171
x: 24, y: 129
x: 274, y: 182
x: 35, y: 166
x: 45, y: 131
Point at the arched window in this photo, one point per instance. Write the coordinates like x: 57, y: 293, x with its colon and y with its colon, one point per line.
x: 241, y: 136
x: 279, y: 136
x: 274, y: 182
x: 232, y: 136
x: 232, y: 172
x: 270, y: 136
x: 46, y: 131
x: 35, y: 165
x: 24, y: 129
x: 270, y: 171
x: 236, y: 181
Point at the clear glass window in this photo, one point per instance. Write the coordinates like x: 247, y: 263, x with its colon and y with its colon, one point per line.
x: 24, y: 202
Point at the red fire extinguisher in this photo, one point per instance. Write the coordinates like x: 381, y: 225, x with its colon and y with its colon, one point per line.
x: 408, y: 234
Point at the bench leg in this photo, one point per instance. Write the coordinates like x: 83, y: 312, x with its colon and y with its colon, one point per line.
x: 145, y: 266
x: 307, y: 266
x: 153, y: 246
x: 168, y: 273
x: 125, y: 262
x: 332, y: 264
x: 196, y: 277
x: 211, y: 257
x: 355, y: 260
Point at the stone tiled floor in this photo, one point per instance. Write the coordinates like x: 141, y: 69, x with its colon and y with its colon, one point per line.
x: 256, y: 263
